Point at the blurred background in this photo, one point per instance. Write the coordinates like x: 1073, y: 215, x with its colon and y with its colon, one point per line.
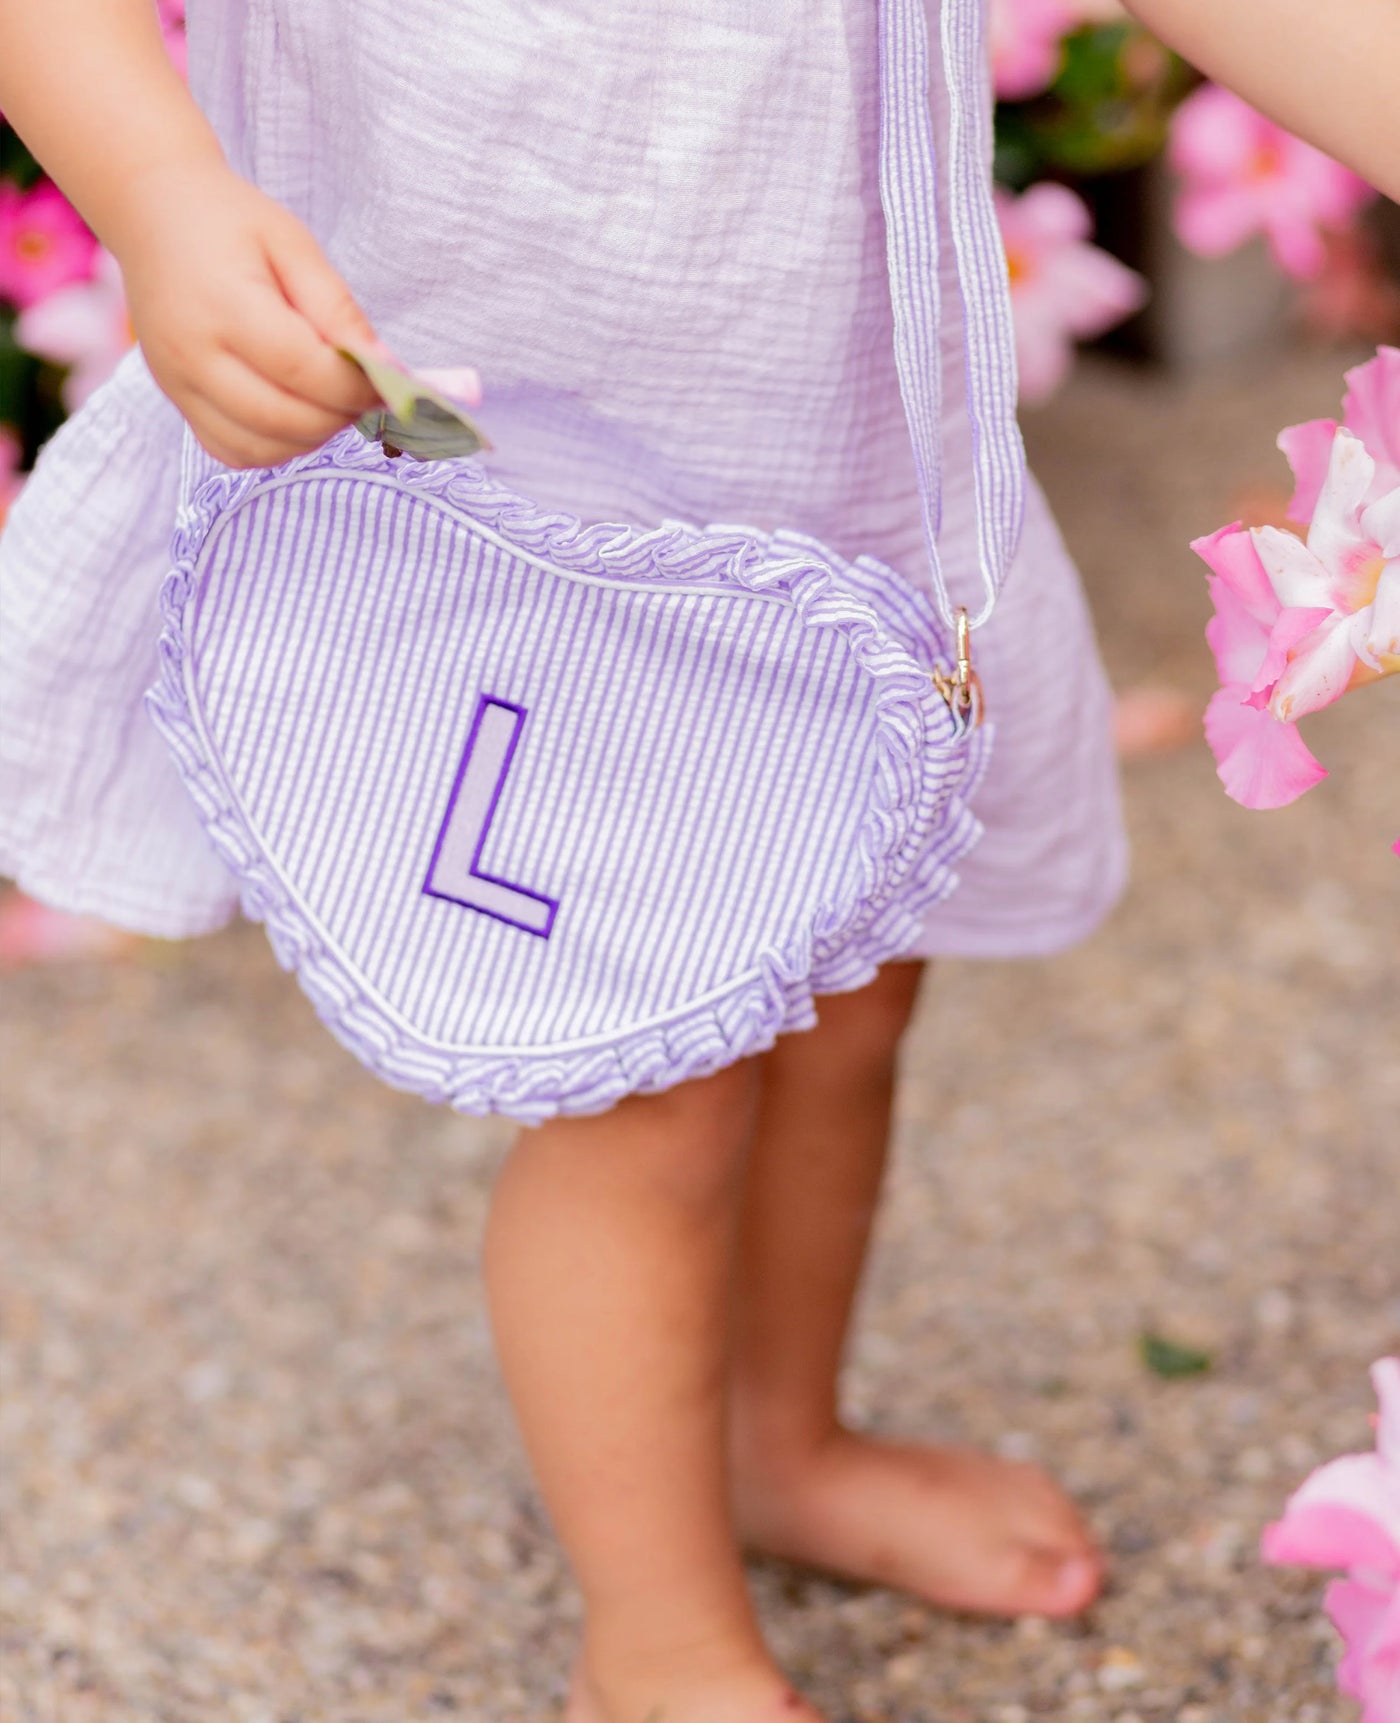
x: 256, y: 1462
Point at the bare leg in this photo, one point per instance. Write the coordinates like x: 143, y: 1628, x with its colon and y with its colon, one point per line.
x: 961, y: 1529
x: 609, y: 1266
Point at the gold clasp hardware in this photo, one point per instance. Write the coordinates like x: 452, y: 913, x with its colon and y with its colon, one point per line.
x: 963, y: 689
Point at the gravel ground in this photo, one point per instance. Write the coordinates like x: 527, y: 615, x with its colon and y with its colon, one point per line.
x: 258, y: 1465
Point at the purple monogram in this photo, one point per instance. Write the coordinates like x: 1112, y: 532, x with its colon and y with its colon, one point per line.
x: 455, y: 873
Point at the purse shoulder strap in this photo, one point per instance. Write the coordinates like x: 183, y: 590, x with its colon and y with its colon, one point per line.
x: 909, y: 192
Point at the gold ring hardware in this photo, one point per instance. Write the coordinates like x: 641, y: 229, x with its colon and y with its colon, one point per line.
x: 963, y: 689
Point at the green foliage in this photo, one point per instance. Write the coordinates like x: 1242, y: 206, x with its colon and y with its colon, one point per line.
x: 1108, y: 110
x: 16, y: 163
x: 1170, y: 1360
x: 29, y: 391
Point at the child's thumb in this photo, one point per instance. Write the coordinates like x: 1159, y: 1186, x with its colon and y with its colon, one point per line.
x: 316, y: 290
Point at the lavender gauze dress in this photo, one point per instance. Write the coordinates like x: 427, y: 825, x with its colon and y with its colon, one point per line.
x: 655, y: 227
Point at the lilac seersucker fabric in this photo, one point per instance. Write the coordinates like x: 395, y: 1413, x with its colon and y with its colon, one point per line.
x: 544, y: 814
x: 660, y: 220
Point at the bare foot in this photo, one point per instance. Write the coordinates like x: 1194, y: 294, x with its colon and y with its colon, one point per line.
x: 751, y: 1692
x: 32, y: 933
x: 961, y: 1529
x: 1150, y: 718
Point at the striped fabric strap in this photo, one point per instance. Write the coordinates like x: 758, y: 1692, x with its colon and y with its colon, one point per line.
x: 909, y: 191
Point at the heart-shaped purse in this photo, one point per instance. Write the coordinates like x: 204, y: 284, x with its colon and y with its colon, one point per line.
x: 543, y: 813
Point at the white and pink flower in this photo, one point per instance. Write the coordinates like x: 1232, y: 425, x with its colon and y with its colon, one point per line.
x: 1063, y: 288
x: 44, y: 244
x: 1347, y: 1515
x: 1371, y: 412
x: 1299, y: 622
x: 84, y: 326
x: 1243, y: 175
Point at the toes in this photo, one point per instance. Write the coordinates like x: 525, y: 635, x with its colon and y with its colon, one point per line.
x: 1051, y: 1522
x: 1057, y: 1585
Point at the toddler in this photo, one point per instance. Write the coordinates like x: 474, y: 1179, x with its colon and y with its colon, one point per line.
x: 658, y: 219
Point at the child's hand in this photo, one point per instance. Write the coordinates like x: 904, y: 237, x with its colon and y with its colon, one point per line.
x: 239, y: 315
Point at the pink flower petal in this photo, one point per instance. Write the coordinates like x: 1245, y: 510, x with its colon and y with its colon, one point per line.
x: 1044, y: 359
x: 1233, y: 557
x: 85, y: 326
x: 1369, y: 1622
x: 460, y: 382
x: 1336, y: 537
x: 1292, y: 627
x: 1048, y: 213
x: 1296, y: 574
x: 1309, y: 451
x: 1373, y: 411
x: 1237, y: 639
x: 1347, y: 1515
x: 67, y: 325
x: 1296, y: 242
x: 1261, y: 762
x: 1320, y: 669
x: 1213, y: 221
x: 1380, y: 524
x: 1025, y: 44
x: 1327, y: 1533
x: 1214, y: 135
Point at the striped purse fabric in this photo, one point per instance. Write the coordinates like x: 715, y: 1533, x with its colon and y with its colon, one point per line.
x: 544, y: 813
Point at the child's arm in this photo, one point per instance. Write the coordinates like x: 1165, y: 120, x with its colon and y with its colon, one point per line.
x: 1328, y: 70
x: 237, y: 310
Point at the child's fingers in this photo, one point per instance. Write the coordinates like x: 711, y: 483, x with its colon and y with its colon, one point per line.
x: 246, y: 421
x: 264, y: 406
x: 233, y: 444
x: 278, y: 343
x: 316, y: 290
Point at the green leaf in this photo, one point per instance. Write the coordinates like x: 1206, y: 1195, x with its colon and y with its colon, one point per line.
x: 1170, y: 1360
x: 419, y: 419
x: 1108, y: 110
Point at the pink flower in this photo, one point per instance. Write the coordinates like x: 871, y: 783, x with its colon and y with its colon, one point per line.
x: 1298, y: 624
x: 1262, y: 763
x: 44, y: 244
x: 1062, y: 288
x: 1372, y: 412
x: 1026, y: 38
x: 1350, y: 565
x: 172, y: 24
x: 1347, y: 1515
x: 85, y: 326
x: 1244, y: 175
x: 460, y: 382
